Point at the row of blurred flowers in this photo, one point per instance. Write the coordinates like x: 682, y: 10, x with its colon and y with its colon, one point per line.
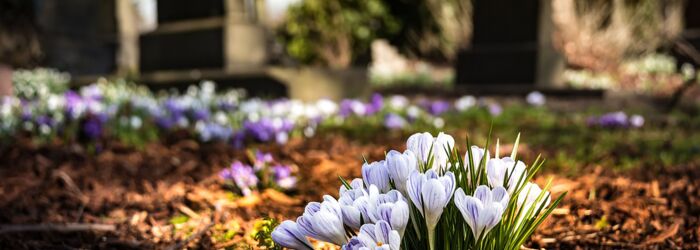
x: 134, y: 114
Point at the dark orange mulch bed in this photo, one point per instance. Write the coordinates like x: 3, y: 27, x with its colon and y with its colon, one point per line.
x: 140, y: 191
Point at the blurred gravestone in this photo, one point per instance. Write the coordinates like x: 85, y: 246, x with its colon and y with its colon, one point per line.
x: 78, y: 36
x: 218, y: 40
x: 504, y: 46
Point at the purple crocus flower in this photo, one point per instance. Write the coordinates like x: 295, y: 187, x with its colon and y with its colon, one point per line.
x: 495, y: 109
x: 214, y: 131
x: 262, y: 159
x: 394, y: 121
x: 201, y: 114
x: 266, y: 130
x: 614, y: 119
x: 242, y: 175
x: 283, y: 176
x: 92, y: 127
x: 375, y: 105
x: 438, y: 107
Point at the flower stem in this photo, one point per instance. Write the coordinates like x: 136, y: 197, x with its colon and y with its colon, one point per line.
x: 431, y: 238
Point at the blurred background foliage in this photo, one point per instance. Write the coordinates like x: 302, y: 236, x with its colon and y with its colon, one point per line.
x: 597, y: 34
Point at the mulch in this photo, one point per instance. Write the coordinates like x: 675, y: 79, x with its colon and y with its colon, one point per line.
x: 139, y: 192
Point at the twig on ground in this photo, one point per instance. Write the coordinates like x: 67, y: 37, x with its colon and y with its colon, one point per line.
x: 198, y: 235
x: 71, y: 227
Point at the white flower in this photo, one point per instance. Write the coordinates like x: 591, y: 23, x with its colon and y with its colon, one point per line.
x: 430, y: 194
x: 375, y: 236
x: 398, y: 102
x: 376, y: 173
x: 527, y: 200
x: 323, y: 221
x: 287, y: 234
x: 497, y: 170
x: 464, y: 103
x: 536, y: 98
x: 422, y: 143
x: 636, y: 121
x: 483, y: 211
x: 400, y: 167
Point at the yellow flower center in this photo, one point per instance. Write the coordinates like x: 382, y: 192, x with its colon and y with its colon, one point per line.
x: 379, y: 244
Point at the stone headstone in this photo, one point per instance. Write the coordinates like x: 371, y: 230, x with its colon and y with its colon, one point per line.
x: 504, y: 45
x: 78, y: 36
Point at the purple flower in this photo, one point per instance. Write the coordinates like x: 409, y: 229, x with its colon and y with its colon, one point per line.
x: 242, y: 175
x: 394, y: 121
x: 283, y: 176
x: 615, y: 119
x: 262, y: 159
x: 200, y: 114
x: 438, y: 107
x: 609, y: 120
x: 495, y: 109
x: 92, y: 127
x: 213, y: 131
x: 375, y: 105
x: 266, y: 130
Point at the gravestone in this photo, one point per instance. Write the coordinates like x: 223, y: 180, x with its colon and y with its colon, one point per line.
x: 504, y: 44
x: 78, y: 36
x: 218, y: 40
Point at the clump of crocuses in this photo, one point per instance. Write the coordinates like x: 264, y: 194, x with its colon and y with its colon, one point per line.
x: 431, y: 196
x: 264, y: 172
x: 617, y: 119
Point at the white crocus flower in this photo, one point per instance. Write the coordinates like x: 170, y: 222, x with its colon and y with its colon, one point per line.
x: 422, y: 143
x: 483, y: 211
x: 536, y: 98
x: 376, y: 173
x: 400, y: 167
x: 323, y: 221
x: 430, y: 194
x: 287, y: 234
x: 497, y: 170
x: 528, y: 201
x: 375, y: 236
x: 464, y: 103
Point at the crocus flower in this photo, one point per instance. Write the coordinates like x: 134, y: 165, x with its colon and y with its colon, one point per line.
x: 610, y: 120
x: 477, y: 156
x: 392, y: 208
x: 430, y: 194
x: 287, y: 234
x: 528, y: 197
x: 438, y: 107
x: 375, y: 236
x: 262, y: 159
x: 376, y: 173
x: 483, y: 210
x: 323, y: 221
x: 356, y: 183
x: 497, y: 170
x: 375, y: 104
x: 495, y: 109
x: 398, y: 102
x: 536, y: 98
x: 241, y: 175
x: 283, y: 176
x: 636, y: 121
x: 422, y: 143
x: 394, y: 121
x: 400, y: 167
x: 355, y: 207
x: 464, y: 103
